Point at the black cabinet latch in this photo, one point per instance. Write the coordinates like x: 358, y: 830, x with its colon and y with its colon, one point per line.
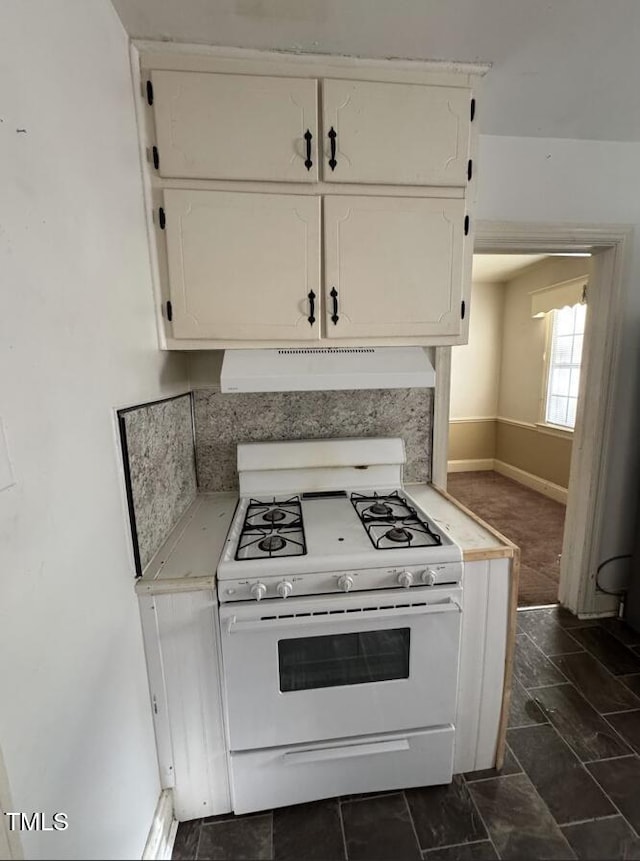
x: 169, y: 311
x: 156, y: 157
x: 473, y: 109
x: 466, y: 225
x: 463, y: 309
x: 162, y: 220
x: 149, y: 92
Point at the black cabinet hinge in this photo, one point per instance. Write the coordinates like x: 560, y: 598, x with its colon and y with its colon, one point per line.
x: 169, y: 311
x: 466, y: 225
x: 162, y: 220
x: 463, y: 309
x: 469, y: 169
x: 473, y: 109
x: 156, y: 157
x: 149, y: 92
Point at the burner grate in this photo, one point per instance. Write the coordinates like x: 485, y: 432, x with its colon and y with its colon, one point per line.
x: 390, y: 522
x: 272, y: 528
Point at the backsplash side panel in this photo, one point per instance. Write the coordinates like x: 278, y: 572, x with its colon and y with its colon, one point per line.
x: 161, y: 468
x: 224, y: 420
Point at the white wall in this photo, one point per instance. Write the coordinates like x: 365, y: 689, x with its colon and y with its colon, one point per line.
x: 543, y: 82
x: 555, y: 180
x: 77, y: 339
x: 475, y: 367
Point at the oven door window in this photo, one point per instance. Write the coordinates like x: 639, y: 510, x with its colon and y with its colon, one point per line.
x: 306, y: 663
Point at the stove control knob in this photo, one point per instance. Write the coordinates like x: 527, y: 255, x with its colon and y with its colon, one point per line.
x: 345, y: 582
x: 258, y: 590
x: 429, y: 577
x: 284, y: 588
x: 405, y: 578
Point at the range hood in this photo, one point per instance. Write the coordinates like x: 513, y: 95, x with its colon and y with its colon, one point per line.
x: 317, y: 368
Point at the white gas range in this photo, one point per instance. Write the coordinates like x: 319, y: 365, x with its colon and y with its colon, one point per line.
x: 340, y: 604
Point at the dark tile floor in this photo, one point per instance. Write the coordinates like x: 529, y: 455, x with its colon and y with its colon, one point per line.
x: 570, y: 786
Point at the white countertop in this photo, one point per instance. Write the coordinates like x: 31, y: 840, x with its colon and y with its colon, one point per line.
x: 477, y: 539
x: 188, y: 559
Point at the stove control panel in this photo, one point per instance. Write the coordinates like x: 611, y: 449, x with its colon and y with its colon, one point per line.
x: 258, y: 590
x: 429, y: 577
x: 345, y: 583
x: 405, y: 578
x: 325, y: 583
x: 284, y: 588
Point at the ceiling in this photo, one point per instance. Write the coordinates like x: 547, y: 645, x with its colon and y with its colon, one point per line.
x: 501, y: 267
x: 564, y: 69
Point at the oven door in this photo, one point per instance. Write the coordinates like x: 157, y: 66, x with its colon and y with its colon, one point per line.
x: 330, y: 667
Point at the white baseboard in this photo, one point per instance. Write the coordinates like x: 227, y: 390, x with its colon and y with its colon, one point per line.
x: 480, y: 465
x: 547, y: 488
x: 162, y: 833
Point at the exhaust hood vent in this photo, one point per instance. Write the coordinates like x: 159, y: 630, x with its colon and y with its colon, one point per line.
x: 326, y: 368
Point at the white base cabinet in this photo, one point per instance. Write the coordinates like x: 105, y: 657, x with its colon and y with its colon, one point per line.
x: 483, y: 652
x: 181, y: 640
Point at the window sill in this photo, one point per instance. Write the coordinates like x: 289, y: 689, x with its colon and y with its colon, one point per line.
x: 555, y: 430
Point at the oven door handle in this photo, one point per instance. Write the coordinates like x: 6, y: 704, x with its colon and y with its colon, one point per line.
x: 374, y: 614
x: 346, y: 751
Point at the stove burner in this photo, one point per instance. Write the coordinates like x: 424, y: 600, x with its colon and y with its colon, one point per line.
x: 390, y: 521
x: 399, y: 535
x: 272, y: 543
x: 380, y: 509
x: 274, y: 515
x: 272, y: 528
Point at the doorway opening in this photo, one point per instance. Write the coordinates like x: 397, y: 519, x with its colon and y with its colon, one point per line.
x: 581, y: 587
x: 513, y: 405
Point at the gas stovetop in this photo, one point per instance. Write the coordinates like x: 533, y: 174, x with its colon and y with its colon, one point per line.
x: 337, y: 532
x: 329, y: 516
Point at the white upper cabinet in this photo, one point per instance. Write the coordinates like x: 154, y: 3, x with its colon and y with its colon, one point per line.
x: 395, y: 133
x: 393, y: 266
x: 249, y: 127
x: 243, y: 266
x: 303, y: 201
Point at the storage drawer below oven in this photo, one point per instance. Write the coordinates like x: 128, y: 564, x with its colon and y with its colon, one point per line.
x: 279, y: 776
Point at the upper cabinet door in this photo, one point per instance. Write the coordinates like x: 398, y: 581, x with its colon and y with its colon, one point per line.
x: 393, y: 266
x: 406, y: 134
x: 215, y: 126
x: 242, y: 266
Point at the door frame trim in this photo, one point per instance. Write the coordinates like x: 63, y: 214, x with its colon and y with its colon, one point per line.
x: 10, y: 841
x: 591, y: 449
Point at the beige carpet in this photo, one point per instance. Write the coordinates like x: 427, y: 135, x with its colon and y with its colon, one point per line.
x: 532, y: 521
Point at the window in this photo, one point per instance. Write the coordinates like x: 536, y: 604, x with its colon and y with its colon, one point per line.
x: 564, y: 358
x: 344, y: 659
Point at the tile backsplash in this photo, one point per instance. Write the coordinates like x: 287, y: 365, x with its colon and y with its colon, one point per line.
x: 224, y: 420
x: 159, y: 453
